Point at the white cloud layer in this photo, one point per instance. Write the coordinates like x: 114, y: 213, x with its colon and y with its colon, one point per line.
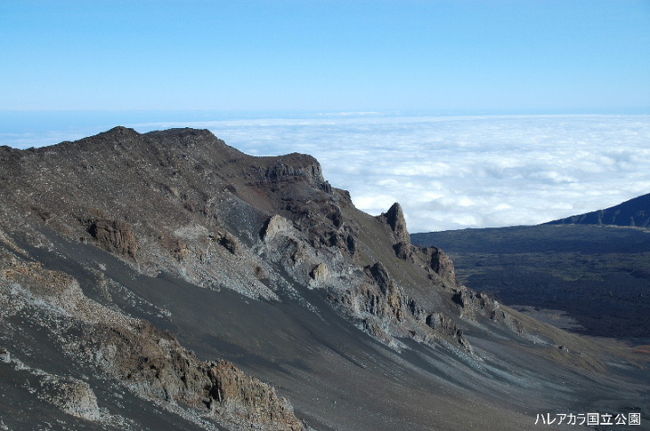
x: 456, y: 172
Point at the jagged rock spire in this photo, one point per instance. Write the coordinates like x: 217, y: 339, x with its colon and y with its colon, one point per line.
x: 395, y: 219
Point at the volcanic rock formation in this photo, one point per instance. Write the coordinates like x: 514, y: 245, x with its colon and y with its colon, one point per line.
x: 155, y: 274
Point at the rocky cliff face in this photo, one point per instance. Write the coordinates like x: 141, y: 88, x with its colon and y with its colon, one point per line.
x: 181, y: 205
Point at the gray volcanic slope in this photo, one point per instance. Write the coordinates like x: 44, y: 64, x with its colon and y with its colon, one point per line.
x: 168, y: 281
x: 635, y: 212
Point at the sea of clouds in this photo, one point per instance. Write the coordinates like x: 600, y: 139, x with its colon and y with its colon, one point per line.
x: 451, y: 172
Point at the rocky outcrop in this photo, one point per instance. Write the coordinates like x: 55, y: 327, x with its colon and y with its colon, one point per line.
x: 235, y: 394
x: 293, y: 167
x: 444, y: 324
x: 403, y: 250
x: 378, y: 274
x: 474, y: 303
x: 385, y: 312
x: 431, y: 258
x: 438, y: 261
x: 283, y: 172
x: 156, y: 366
x: 115, y: 236
x: 276, y: 225
x: 394, y: 217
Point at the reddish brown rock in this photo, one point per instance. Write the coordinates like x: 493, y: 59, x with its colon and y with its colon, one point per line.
x: 115, y: 236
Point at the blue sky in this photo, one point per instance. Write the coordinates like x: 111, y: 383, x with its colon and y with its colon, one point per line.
x: 437, y: 56
x: 399, y: 100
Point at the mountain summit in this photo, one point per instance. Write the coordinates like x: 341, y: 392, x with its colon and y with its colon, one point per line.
x: 166, y: 280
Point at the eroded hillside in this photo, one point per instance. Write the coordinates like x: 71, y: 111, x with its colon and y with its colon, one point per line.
x: 166, y: 278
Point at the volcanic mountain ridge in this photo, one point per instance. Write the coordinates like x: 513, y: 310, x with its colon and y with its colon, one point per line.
x: 131, y: 263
